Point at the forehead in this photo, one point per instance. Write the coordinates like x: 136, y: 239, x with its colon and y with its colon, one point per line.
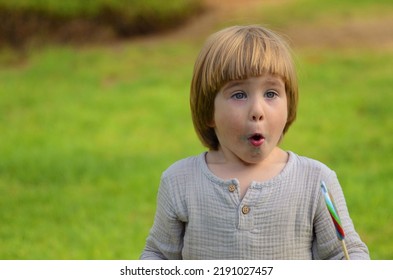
x: 265, y: 80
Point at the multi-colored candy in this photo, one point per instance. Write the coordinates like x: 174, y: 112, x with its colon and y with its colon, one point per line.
x: 335, y: 217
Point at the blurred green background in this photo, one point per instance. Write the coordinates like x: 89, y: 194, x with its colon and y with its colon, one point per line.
x: 87, y: 126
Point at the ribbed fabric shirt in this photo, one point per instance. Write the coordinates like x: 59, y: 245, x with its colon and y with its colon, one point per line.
x: 201, y: 216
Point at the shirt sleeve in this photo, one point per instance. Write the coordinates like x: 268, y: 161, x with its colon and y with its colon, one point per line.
x: 165, y: 240
x: 326, y: 244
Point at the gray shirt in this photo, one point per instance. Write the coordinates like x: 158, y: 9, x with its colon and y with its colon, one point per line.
x: 201, y: 216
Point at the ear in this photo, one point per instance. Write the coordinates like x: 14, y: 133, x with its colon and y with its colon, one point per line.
x: 211, y: 123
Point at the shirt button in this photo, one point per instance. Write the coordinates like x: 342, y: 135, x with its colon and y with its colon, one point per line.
x: 245, y: 209
x: 232, y: 188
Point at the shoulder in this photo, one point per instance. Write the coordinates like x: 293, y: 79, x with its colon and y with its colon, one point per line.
x: 181, y: 179
x: 306, y: 164
x: 184, y: 165
x: 185, y: 169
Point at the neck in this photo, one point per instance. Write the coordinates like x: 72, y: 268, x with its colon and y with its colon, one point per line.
x: 229, y: 168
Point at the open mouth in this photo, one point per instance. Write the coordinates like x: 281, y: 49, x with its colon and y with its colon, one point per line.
x: 256, y: 139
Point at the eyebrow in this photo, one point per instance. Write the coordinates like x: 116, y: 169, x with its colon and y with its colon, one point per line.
x: 231, y: 84
x: 275, y: 82
x: 270, y: 82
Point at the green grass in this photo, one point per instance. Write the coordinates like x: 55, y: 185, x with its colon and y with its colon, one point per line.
x: 332, y: 12
x: 85, y: 134
x: 33, y: 22
x: 76, y: 8
x: 82, y: 150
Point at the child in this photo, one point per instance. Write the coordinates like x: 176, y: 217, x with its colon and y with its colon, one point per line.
x: 245, y: 198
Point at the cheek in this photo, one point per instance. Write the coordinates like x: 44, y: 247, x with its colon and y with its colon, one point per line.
x: 227, y: 117
x: 219, y: 116
x: 284, y: 113
x: 285, y: 116
x: 226, y: 122
x: 279, y: 119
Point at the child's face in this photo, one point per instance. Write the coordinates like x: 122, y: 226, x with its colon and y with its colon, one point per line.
x: 250, y: 116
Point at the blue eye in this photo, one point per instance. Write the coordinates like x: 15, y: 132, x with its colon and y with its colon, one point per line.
x: 239, y: 95
x: 270, y: 94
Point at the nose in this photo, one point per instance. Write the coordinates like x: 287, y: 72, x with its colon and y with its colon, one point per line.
x: 257, y: 117
x: 256, y: 111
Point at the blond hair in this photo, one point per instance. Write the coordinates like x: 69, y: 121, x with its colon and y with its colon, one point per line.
x: 236, y: 53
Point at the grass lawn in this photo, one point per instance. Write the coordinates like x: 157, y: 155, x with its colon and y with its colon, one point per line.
x: 86, y: 132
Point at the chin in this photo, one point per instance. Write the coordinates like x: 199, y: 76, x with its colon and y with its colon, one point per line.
x: 255, y: 159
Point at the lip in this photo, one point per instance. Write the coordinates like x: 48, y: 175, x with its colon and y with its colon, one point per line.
x: 256, y: 139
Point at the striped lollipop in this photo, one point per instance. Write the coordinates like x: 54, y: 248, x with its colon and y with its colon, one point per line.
x: 335, y: 217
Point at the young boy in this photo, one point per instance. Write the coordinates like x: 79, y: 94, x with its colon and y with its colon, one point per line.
x: 246, y: 198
